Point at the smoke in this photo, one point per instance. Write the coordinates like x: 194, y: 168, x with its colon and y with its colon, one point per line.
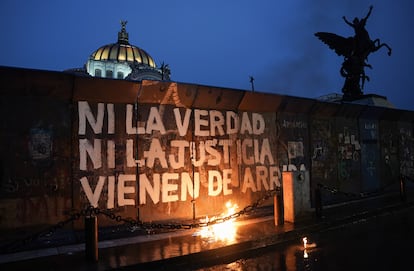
x: 308, y: 67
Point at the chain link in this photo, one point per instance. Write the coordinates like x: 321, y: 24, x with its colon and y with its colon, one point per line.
x: 335, y: 191
x: 176, y: 226
x: 17, y: 244
x: 134, y: 224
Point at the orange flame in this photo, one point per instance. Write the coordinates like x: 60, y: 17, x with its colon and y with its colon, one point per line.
x: 224, y: 231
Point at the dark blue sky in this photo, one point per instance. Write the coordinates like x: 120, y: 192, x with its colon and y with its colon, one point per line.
x: 219, y: 42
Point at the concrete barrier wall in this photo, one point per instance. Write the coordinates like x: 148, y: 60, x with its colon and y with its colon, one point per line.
x: 36, y: 148
x: 174, y: 151
x: 191, y: 160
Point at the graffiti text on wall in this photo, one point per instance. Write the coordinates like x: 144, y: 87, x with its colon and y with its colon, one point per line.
x: 164, y: 168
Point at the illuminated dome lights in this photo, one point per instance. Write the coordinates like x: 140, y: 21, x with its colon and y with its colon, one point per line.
x: 123, y: 51
x: 123, y: 60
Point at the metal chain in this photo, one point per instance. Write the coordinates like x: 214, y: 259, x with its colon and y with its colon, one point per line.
x: 17, y: 244
x: 244, y: 211
x: 91, y: 211
x: 348, y: 194
x: 176, y: 226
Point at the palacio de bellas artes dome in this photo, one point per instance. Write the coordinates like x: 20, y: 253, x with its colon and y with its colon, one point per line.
x: 122, y: 60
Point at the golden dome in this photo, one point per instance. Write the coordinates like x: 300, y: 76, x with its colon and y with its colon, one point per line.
x: 122, y: 51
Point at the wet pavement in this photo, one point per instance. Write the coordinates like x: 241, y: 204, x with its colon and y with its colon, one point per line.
x: 383, y: 242
x: 186, y: 250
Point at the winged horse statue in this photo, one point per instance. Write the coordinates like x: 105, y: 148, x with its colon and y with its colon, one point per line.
x: 355, y: 51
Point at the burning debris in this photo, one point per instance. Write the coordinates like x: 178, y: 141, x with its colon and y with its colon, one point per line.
x: 222, y: 231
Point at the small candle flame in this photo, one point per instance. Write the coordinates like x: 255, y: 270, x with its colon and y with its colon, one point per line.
x: 305, y: 242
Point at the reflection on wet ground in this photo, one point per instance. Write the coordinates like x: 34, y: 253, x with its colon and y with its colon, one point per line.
x: 382, y: 243
x: 355, y: 242
x: 187, y: 244
x: 170, y: 251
